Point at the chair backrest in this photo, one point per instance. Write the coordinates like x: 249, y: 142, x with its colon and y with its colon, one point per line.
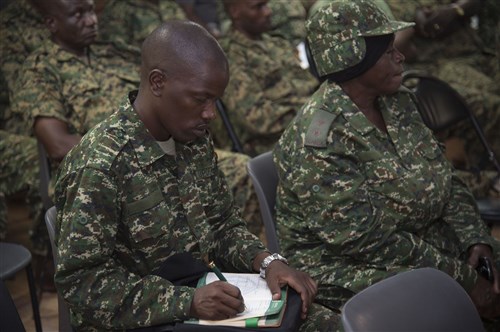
x: 264, y: 177
x: 424, y: 299
x: 10, y: 316
x: 441, y: 106
x: 50, y: 222
x: 44, y: 177
x: 221, y: 108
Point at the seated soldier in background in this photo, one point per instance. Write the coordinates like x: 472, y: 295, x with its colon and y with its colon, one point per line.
x: 70, y: 82
x: 447, y: 46
x: 143, y: 186
x: 267, y: 85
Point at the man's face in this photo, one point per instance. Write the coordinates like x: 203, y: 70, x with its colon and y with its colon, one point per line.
x: 74, y: 24
x: 252, y: 16
x: 189, y: 101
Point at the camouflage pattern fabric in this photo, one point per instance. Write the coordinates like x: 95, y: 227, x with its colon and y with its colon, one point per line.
x: 234, y: 167
x: 335, y: 33
x: 321, y: 319
x: 22, y: 30
x: 19, y: 171
x: 58, y: 84
x: 124, y: 207
x: 382, y: 4
x: 356, y: 205
x: 470, y: 67
x: 133, y: 20
x: 266, y: 89
x: 288, y: 20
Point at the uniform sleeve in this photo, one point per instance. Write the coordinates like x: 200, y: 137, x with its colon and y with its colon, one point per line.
x: 462, y: 214
x: 39, y: 94
x: 97, y: 287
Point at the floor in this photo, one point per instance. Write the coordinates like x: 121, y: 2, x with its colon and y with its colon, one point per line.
x: 19, y: 225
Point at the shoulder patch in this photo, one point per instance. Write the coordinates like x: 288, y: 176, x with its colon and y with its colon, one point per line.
x: 317, y: 131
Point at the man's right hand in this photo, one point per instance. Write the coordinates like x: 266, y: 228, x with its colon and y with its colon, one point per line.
x: 217, y: 300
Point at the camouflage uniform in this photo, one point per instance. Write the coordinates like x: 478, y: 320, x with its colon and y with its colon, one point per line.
x: 21, y: 31
x: 465, y: 63
x: 58, y: 84
x: 132, y: 20
x: 288, y: 20
x: 124, y: 207
x: 373, y: 206
x: 266, y: 88
x: 356, y: 205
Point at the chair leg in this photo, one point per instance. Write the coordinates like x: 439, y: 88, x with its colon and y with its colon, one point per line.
x: 34, y: 299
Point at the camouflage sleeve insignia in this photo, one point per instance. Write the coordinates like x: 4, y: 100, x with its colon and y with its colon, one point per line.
x: 317, y: 132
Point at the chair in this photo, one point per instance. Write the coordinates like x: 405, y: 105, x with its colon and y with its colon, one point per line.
x: 44, y: 177
x: 441, y: 107
x: 424, y: 299
x: 264, y: 177
x: 221, y: 108
x: 13, y: 258
x: 50, y: 222
x: 10, y: 316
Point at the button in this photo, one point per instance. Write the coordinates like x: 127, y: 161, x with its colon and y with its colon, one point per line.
x: 83, y: 220
x: 315, y: 188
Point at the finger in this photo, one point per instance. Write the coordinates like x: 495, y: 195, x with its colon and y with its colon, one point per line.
x: 236, y: 303
x: 224, y: 311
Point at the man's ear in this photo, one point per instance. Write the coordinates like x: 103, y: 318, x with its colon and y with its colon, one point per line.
x: 50, y: 23
x: 156, y: 81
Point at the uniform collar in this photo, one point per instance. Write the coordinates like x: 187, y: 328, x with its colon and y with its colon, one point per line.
x: 145, y: 146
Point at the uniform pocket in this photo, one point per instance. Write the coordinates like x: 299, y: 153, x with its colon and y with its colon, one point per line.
x: 148, y: 217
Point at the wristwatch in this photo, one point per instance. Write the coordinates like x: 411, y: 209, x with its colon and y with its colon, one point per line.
x: 266, y: 261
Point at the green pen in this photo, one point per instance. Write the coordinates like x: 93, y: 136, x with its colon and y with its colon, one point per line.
x: 217, y: 272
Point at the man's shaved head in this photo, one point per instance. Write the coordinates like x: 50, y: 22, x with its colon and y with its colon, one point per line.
x: 177, y: 46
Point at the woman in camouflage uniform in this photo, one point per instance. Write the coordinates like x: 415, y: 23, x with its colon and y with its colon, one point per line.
x: 365, y: 191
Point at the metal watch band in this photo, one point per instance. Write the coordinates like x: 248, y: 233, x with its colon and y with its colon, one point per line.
x: 266, y: 261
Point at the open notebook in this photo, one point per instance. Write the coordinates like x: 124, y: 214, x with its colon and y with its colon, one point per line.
x: 261, y: 310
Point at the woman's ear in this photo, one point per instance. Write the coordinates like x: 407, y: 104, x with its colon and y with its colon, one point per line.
x: 156, y: 81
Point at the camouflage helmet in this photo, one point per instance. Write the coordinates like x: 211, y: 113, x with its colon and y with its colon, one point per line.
x: 335, y: 33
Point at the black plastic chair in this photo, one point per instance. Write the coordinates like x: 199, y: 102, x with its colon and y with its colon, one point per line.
x: 221, y: 108
x: 44, y: 176
x: 419, y: 300
x: 64, y: 315
x: 264, y: 177
x: 10, y: 316
x: 13, y: 258
x: 441, y: 107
